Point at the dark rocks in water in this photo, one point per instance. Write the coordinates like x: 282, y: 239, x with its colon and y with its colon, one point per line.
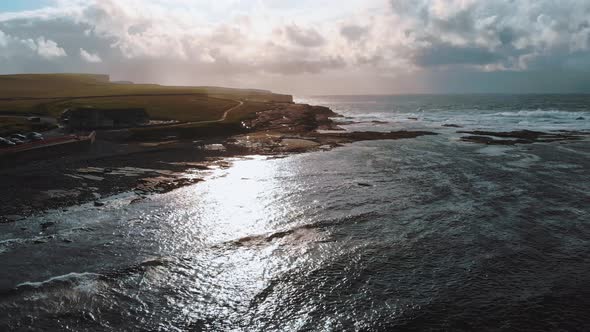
x: 154, y: 262
x: 580, y: 118
x: 452, y: 125
x: 314, y: 141
x: 360, y: 122
x: 478, y: 139
x: 362, y: 184
x: 492, y: 141
x: 10, y: 218
x: 372, y: 135
x: 524, y: 134
x: 46, y: 225
x: 137, y: 200
x: 98, y: 204
x: 521, y: 134
x: 337, y: 139
x: 140, y: 192
x: 161, y: 185
x: 517, y: 137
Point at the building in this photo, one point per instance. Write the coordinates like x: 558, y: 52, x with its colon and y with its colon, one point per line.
x: 94, y: 118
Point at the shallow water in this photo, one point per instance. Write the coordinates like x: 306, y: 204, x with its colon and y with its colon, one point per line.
x: 426, y: 233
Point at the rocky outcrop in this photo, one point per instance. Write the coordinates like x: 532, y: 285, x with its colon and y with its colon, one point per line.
x: 293, y: 118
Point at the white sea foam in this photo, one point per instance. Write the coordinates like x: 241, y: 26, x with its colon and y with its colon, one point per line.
x: 495, y: 150
x: 539, y: 113
x: 73, y: 276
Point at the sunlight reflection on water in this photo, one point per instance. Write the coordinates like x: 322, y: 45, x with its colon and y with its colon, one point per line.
x: 246, y: 199
x: 250, y: 224
x: 235, y: 215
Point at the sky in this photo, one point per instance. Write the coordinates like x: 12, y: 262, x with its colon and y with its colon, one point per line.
x: 307, y: 47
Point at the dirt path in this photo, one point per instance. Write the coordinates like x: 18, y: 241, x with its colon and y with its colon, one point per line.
x: 183, y: 124
x: 240, y: 104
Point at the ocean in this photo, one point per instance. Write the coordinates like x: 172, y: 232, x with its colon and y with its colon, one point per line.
x: 432, y: 233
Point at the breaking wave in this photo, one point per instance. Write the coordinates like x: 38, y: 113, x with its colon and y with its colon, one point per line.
x: 539, y: 113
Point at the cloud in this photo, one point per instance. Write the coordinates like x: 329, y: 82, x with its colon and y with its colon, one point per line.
x: 304, y: 37
x: 296, y: 66
x: 504, y: 33
x: 179, y: 42
x: 446, y: 54
x: 12, y: 46
x: 47, y: 48
x: 89, y: 57
x: 353, y: 32
x: 3, y: 39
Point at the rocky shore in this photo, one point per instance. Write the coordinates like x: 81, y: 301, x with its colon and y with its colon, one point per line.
x: 144, y: 168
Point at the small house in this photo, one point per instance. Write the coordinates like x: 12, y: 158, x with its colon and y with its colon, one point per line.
x: 95, y: 118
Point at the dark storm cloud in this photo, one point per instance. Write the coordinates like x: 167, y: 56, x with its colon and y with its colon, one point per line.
x: 507, y: 82
x: 511, y: 34
x: 446, y: 54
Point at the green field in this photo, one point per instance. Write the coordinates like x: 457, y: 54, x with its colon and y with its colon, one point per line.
x: 15, y: 125
x: 184, y: 108
x: 80, y: 85
x: 77, y: 85
x: 51, y: 94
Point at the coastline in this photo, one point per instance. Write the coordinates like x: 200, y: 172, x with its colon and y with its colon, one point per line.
x: 439, y: 205
x: 157, y: 166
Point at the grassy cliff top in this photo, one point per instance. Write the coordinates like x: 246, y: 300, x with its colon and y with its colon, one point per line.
x: 51, y: 94
x: 76, y: 85
x: 79, y: 85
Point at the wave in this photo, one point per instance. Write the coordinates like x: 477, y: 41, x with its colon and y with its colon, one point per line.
x: 539, y: 113
x: 66, y: 278
x: 75, y: 278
